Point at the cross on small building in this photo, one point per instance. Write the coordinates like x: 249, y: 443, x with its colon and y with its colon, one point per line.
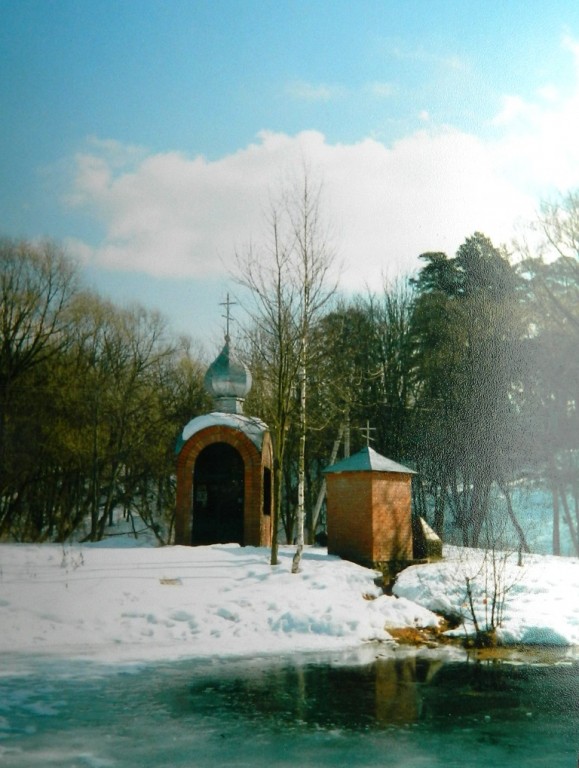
x: 366, y: 432
x: 227, y: 304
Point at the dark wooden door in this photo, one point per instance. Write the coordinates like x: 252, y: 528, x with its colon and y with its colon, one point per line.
x: 218, y: 496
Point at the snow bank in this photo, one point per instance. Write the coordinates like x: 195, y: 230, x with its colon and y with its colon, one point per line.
x: 541, y: 596
x: 174, y: 602
x: 113, y: 603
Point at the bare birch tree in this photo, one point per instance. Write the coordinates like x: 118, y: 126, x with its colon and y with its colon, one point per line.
x: 314, y: 260
x: 289, y: 282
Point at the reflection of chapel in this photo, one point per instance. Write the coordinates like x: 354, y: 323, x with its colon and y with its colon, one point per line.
x: 224, y: 462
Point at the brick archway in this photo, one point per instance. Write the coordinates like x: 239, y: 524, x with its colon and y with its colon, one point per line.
x: 257, y: 495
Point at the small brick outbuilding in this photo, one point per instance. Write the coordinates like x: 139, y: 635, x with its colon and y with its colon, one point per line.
x: 369, y: 509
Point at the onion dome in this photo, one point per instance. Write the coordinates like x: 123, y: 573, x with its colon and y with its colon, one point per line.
x: 228, y: 380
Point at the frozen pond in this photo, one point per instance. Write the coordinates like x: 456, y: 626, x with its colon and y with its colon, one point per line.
x: 410, y: 710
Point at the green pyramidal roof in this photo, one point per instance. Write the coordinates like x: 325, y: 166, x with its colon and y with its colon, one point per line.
x: 367, y: 460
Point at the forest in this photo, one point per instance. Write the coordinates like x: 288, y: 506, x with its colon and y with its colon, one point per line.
x: 466, y: 371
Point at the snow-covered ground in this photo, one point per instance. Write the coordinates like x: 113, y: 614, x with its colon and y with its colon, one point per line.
x: 143, y: 603
x: 537, y: 600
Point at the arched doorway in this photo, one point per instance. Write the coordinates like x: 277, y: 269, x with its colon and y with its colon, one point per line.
x: 218, y: 496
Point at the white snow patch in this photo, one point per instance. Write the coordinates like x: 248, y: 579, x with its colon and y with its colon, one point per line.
x: 252, y: 427
x: 170, y: 602
x: 145, y: 603
x: 541, y: 596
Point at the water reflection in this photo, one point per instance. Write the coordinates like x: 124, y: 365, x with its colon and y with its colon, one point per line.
x: 419, y: 710
x: 504, y: 690
x: 389, y: 692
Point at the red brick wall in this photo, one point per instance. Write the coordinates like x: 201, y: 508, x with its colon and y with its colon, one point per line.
x: 257, y: 526
x: 392, y: 519
x: 369, y: 516
x: 349, y: 502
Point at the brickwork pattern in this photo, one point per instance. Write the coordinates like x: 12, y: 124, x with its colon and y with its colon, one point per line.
x: 392, y: 518
x: 369, y: 516
x: 349, y: 508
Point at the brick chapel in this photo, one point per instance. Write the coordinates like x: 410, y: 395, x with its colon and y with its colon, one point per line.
x: 224, y: 465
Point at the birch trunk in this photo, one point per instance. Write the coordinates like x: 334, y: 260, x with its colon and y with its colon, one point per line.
x: 300, y: 517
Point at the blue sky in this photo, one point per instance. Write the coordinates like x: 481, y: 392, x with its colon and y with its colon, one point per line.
x: 146, y: 135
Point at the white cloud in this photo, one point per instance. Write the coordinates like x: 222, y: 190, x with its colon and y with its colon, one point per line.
x: 300, y: 90
x: 401, y: 51
x: 572, y: 45
x: 538, y: 150
x: 548, y: 92
x: 169, y: 214
x: 428, y: 192
x: 380, y: 89
x: 513, y: 108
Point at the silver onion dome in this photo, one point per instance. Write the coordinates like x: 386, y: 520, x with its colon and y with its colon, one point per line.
x: 228, y: 380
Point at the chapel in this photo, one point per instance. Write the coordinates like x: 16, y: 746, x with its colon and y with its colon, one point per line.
x: 224, y: 465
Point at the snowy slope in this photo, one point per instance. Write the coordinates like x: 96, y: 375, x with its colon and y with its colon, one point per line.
x: 173, y: 602
x: 111, y: 603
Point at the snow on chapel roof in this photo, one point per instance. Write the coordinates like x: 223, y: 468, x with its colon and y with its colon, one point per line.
x: 368, y: 460
x: 251, y: 427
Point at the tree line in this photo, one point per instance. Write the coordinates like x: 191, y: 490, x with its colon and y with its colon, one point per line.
x: 92, y: 398
x: 466, y: 371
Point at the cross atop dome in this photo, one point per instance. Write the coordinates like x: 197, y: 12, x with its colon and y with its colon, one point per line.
x: 227, y: 304
x: 228, y: 379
